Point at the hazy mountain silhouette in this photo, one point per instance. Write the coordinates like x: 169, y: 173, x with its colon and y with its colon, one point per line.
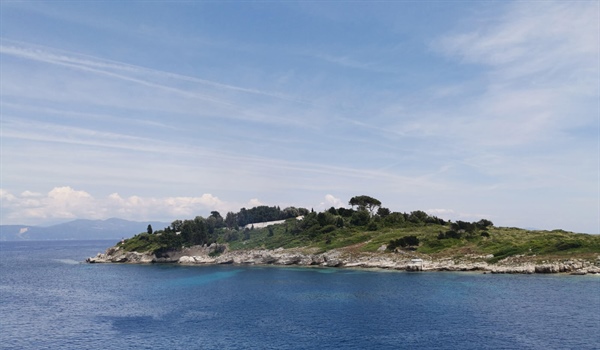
x: 78, y: 229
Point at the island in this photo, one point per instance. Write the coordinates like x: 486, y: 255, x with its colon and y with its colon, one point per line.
x: 367, y: 235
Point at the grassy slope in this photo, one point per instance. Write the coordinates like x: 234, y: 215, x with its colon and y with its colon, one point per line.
x: 503, y: 242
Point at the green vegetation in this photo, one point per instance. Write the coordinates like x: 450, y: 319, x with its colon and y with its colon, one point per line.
x: 366, y: 228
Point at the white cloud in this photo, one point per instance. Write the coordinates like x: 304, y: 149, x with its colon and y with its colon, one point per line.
x: 59, y: 203
x: 5, y: 196
x: 64, y: 202
x: 171, y: 207
x: 29, y: 194
x: 68, y: 203
x: 254, y: 202
x: 331, y: 201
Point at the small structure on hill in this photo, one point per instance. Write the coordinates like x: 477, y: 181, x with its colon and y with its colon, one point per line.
x: 268, y: 223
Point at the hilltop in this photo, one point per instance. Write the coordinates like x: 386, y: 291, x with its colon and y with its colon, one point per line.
x: 368, y: 235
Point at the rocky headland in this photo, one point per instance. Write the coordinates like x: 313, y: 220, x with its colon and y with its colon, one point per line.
x: 349, y: 257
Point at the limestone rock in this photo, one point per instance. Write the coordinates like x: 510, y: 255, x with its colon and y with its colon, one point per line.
x: 409, y: 261
x: 547, y: 268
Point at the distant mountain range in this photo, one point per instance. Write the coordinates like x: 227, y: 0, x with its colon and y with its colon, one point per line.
x: 78, y: 230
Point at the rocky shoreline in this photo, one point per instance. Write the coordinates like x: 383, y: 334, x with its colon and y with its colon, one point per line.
x: 349, y: 258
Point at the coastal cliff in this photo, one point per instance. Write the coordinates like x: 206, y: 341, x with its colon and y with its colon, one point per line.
x: 349, y: 257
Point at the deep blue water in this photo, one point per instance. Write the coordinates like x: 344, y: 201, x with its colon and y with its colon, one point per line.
x: 48, y: 300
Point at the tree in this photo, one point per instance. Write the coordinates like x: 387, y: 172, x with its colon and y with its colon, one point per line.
x: 231, y: 220
x: 383, y: 212
x: 290, y: 212
x: 464, y: 226
x: 199, y: 234
x: 410, y: 241
x: 187, y: 230
x: 365, y: 203
x: 394, y: 219
x: 303, y: 211
x: 149, y: 229
x: 360, y: 218
x: 404, y: 242
x: 484, y: 224
x: 176, y: 225
x: 211, y: 222
x: 418, y: 217
x: 242, y: 217
x: 325, y: 218
x: 218, y: 222
x: 345, y: 212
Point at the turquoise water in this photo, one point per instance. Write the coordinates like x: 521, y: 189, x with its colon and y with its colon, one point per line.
x: 49, y: 300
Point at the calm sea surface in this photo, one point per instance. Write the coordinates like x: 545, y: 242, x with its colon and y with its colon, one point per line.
x: 49, y: 300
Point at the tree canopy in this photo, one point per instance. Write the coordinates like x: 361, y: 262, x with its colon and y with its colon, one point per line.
x: 365, y: 203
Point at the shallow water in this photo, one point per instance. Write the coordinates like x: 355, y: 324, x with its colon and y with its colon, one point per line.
x: 48, y: 300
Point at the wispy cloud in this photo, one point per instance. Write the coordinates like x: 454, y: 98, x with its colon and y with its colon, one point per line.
x: 17, y: 128
x: 541, y: 61
x: 274, y: 171
x: 202, y: 91
x: 498, y: 114
x: 523, y: 39
x: 77, y: 115
x: 105, y: 66
x: 347, y: 61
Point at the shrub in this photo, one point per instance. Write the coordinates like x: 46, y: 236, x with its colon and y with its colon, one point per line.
x: 407, y: 241
x: 372, y: 226
x: 483, y: 224
x: 450, y: 234
x: 394, y: 219
x: 328, y: 229
x: 360, y: 218
x: 568, y: 245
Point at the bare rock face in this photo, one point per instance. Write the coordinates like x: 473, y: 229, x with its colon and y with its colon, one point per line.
x: 513, y: 269
x: 219, y: 254
x: 333, y: 263
x: 117, y: 255
x: 290, y: 260
x: 414, y: 268
x: 187, y: 260
x: 547, y: 268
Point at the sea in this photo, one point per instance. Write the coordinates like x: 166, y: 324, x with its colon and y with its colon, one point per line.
x: 51, y: 299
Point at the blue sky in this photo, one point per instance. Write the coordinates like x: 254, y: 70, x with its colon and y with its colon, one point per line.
x: 166, y: 110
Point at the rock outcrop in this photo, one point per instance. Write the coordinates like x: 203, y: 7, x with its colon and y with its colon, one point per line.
x: 345, y: 257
